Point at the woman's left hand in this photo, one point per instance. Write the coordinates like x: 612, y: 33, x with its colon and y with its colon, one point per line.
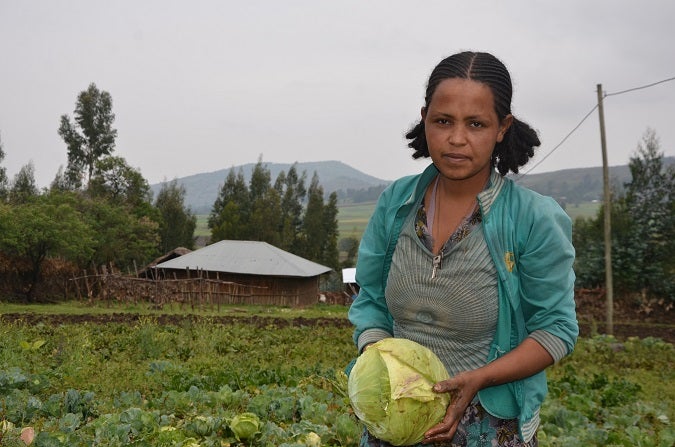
x: 462, y: 388
x: 527, y: 359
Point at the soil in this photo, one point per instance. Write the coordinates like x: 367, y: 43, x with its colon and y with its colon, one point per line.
x: 629, y: 320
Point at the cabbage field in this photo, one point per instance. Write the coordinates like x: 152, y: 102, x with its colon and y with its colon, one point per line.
x: 145, y: 380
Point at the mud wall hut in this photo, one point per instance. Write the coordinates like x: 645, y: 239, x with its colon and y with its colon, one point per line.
x: 248, y: 272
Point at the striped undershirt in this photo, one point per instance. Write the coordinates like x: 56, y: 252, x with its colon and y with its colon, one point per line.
x: 453, y: 314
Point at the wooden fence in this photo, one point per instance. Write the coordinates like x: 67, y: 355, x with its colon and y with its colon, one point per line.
x: 193, y: 289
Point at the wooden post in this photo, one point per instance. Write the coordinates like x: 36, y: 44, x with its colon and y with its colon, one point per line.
x: 77, y: 287
x: 608, y: 222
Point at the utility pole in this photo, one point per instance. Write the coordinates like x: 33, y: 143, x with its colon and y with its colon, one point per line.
x: 608, y: 221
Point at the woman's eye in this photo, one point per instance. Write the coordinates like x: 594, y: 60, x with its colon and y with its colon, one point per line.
x: 476, y: 124
x: 442, y: 121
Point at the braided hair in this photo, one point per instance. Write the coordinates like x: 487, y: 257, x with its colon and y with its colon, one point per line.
x: 517, y: 146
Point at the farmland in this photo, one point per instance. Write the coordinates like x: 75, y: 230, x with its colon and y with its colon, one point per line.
x: 352, y: 218
x: 132, y: 376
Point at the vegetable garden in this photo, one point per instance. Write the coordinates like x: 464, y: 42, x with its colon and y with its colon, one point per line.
x: 274, y: 380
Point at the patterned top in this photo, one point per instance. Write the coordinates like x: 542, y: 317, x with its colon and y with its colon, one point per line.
x: 455, y: 306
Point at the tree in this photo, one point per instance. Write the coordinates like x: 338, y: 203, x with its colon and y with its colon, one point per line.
x: 118, y: 182
x: 265, y: 217
x: 312, y: 226
x: 643, y: 230
x: 350, y: 246
x: 260, y: 181
x: 91, y: 136
x: 330, y: 255
x: 3, y: 175
x: 45, y: 226
x: 264, y: 220
x: 231, y: 209
x: 177, y: 225
x: 291, y: 189
x: 277, y: 215
x: 649, y: 203
x: 61, y: 182
x: 319, y: 227
x: 118, y: 206
x: 123, y: 237
x: 23, y: 187
x: 229, y: 224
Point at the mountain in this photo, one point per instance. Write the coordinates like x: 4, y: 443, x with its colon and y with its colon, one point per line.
x: 580, y: 184
x: 569, y: 185
x: 201, y: 190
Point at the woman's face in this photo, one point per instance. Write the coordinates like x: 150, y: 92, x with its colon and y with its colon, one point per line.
x: 462, y: 129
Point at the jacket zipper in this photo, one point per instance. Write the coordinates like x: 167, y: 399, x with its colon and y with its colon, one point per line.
x: 436, y: 264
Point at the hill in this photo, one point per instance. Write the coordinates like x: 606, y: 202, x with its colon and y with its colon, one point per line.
x: 201, y: 190
x: 569, y: 186
x: 575, y: 186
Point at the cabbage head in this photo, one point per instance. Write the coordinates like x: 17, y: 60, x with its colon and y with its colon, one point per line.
x: 390, y: 390
x: 245, y: 425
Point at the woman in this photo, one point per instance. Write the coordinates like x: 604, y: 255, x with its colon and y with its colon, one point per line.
x: 464, y: 261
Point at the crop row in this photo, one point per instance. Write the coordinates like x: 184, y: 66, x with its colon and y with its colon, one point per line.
x: 200, y: 383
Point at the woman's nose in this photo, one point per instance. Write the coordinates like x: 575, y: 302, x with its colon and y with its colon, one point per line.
x: 456, y: 135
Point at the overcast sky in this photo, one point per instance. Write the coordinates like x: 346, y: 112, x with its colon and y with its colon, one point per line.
x: 199, y: 86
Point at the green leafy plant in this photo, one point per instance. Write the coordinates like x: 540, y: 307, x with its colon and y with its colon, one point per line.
x: 390, y: 388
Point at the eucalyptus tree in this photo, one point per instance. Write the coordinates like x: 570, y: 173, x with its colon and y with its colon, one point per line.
x: 118, y: 182
x: 231, y: 209
x: 178, y: 223
x: 23, y: 187
x: 291, y: 188
x: 330, y: 255
x: 319, y: 234
x: 265, y: 217
x: 90, y: 136
x: 3, y: 174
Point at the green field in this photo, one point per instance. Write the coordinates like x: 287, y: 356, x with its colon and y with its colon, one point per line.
x: 183, y: 381
x: 353, y: 218
x: 202, y: 228
x: 585, y: 210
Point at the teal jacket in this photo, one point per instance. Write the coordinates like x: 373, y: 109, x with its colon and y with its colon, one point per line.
x: 529, y: 238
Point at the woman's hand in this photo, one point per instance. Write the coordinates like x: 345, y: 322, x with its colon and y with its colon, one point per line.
x: 527, y: 359
x: 462, y: 388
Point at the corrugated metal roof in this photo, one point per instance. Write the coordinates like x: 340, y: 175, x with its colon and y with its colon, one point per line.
x: 246, y: 257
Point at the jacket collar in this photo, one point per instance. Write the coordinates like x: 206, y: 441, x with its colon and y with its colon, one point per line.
x: 485, y: 198
x: 488, y: 196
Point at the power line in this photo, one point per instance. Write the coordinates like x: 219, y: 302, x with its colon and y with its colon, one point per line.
x: 586, y: 117
x: 561, y: 142
x: 640, y: 88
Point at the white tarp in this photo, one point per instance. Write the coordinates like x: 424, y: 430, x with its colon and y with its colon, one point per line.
x: 349, y: 276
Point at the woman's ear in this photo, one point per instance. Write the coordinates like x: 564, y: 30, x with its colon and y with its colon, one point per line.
x: 504, y: 126
x: 423, y: 112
